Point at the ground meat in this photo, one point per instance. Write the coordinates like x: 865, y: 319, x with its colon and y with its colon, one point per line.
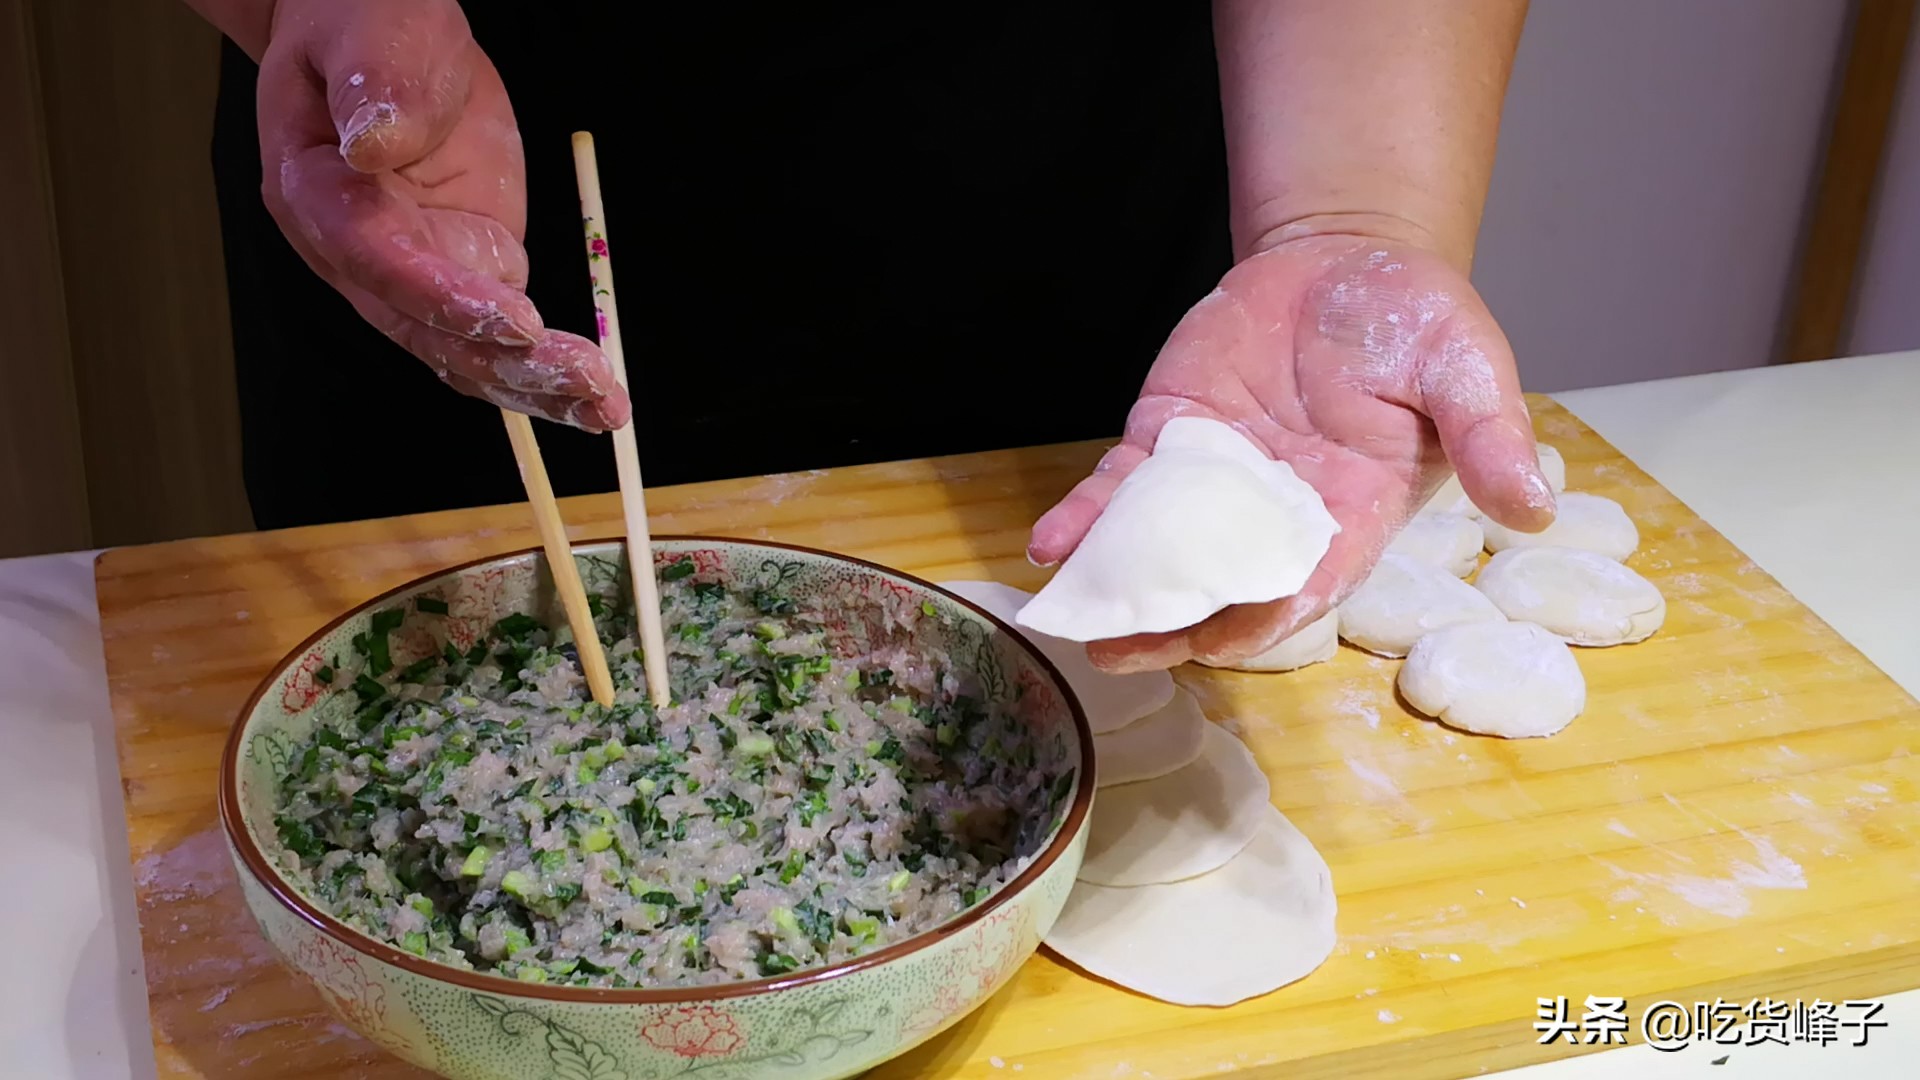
x: 792, y: 809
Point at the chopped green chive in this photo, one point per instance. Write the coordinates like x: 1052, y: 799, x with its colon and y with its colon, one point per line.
x: 475, y: 863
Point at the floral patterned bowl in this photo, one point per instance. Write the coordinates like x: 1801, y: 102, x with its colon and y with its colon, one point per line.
x: 828, y: 1022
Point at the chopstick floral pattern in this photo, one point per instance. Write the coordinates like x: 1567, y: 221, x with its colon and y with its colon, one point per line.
x: 596, y: 252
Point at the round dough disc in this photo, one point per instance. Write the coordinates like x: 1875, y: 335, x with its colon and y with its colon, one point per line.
x: 1588, y: 522
x: 1444, y: 539
x: 1585, y: 598
x: 1168, y: 740
x: 1315, y: 642
x: 1404, y: 600
x: 1452, y: 498
x: 1180, y: 825
x: 1111, y: 701
x: 1254, y: 925
x: 1511, y: 679
x: 1553, y: 466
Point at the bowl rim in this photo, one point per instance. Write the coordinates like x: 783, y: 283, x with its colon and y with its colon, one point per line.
x: 233, y: 822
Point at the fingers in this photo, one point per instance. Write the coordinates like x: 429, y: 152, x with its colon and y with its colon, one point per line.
x: 478, y: 243
x: 396, y: 84
x: 1469, y: 387
x: 599, y: 415
x: 1061, y: 529
x: 382, y: 243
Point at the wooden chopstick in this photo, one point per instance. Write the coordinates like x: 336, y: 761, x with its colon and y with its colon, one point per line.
x: 626, y: 452
x: 566, y: 573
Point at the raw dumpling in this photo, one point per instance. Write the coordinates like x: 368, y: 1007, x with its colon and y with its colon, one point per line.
x: 1168, y: 740
x: 1111, y: 701
x: 1316, y: 641
x: 1442, y: 538
x: 1179, y: 825
x: 1588, y: 522
x: 1511, y: 679
x: 1404, y: 600
x: 1206, y: 522
x: 1585, y: 598
x: 1452, y: 498
x: 1263, y: 920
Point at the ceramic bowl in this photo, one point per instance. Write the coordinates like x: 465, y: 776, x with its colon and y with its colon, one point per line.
x: 828, y: 1022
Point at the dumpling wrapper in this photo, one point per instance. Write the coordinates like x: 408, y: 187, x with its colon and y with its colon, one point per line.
x: 1588, y: 522
x: 1442, y: 538
x: 1180, y: 825
x: 1261, y: 921
x: 1206, y: 522
x: 1155, y: 746
x: 1111, y: 701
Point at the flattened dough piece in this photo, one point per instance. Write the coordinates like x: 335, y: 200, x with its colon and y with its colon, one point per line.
x: 1452, y: 498
x: 1511, y: 679
x: 1261, y: 921
x: 1180, y: 825
x: 1404, y: 600
x: 1444, y: 539
x: 1553, y: 465
x: 1316, y: 641
x: 1155, y: 746
x: 1583, y: 597
x: 1111, y: 701
x: 1589, y: 522
x: 1206, y: 522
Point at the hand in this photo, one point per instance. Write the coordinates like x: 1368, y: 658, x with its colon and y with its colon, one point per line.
x: 1366, y: 365
x: 393, y: 164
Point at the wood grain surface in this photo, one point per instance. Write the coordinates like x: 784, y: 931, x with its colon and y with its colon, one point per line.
x: 1735, y: 814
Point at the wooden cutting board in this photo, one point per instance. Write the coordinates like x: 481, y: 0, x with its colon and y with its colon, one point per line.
x: 1737, y: 812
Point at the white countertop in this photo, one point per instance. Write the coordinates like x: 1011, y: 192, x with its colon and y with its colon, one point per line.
x: 1809, y: 469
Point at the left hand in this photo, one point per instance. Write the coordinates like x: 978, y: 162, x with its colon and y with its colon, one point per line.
x: 1367, y: 365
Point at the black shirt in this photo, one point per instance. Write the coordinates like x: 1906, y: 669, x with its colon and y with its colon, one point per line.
x: 885, y: 231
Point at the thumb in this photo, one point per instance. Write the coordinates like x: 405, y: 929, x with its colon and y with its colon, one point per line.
x: 397, y: 79
x: 1468, y: 385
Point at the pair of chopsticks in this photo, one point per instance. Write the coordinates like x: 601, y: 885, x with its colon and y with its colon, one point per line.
x: 626, y: 454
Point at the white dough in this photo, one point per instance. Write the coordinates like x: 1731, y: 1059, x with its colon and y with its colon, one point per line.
x: 1511, y: 679
x: 1403, y: 600
x: 1444, y: 539
x: 1583, y: 597
x: 1553, y: 466
x: 1206, y: 522
x: 1311, y: 644
x: 1263, y: 920
x: 1155, y: 746
x: 1452, y: 498
x: 1111, y: 701
x: 1589, y: 522
x: 1179, y: 825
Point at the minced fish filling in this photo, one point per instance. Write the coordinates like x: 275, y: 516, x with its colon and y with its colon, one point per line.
x: 790, y: 809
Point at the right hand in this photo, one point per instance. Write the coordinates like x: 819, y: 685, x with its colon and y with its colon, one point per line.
x: 393, y: 164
